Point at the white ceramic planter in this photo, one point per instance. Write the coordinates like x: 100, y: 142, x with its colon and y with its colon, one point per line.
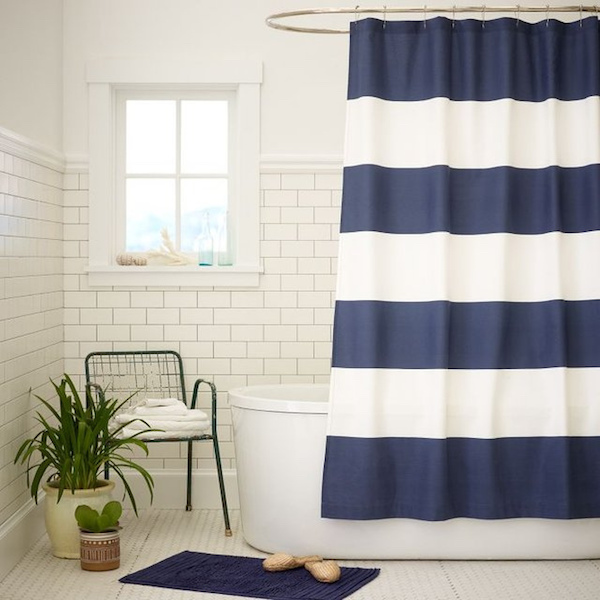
x: 60, y: 516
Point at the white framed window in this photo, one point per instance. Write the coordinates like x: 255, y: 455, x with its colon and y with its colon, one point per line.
x: 174, y: 147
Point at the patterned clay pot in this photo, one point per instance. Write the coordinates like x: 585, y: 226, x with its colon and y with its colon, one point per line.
x: 100, y: 551
x: 60, y: 516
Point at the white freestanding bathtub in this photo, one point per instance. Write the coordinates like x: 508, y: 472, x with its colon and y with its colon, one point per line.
x: 279, y: 436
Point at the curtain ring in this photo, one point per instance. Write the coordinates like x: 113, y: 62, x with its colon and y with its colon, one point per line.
x: 453, y: 15
x: 425, y: 16
x: 356, y: 13
x: 518, y: 13
x: 483, y: 17
x: 547, y: 14
x: 384, y: 15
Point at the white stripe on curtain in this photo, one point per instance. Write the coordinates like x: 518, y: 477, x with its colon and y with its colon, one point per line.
x: 501, y: 132
x: 468, y: 268
x: 438, y: 403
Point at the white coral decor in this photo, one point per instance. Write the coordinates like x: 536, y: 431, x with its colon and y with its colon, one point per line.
x: 167, y: 254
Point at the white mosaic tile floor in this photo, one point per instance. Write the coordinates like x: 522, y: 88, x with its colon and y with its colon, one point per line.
x: 157, y: 534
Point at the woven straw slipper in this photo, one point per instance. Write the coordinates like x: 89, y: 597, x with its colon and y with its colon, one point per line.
x: 283, y: 562
x: 325, y: 571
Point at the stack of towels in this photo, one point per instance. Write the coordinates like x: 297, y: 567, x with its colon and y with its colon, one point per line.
x: 171, y: 416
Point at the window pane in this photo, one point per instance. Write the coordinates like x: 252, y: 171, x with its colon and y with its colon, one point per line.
x: 204, y: 136
x: 151, y: 136
x: 199, y: 196
x: 150, y: 205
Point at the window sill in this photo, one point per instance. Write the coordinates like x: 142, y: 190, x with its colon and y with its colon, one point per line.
x: 184, y: 276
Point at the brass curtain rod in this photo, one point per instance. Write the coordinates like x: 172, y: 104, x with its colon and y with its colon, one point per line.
x: 273, y: 20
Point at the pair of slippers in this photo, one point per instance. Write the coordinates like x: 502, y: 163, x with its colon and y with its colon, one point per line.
x: 325, y: 571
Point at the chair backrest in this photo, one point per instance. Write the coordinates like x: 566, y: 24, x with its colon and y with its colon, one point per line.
x: 137, y: 374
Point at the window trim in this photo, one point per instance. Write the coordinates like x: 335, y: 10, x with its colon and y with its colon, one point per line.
x: 107, y: 77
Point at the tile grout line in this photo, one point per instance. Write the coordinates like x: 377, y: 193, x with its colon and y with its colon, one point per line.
x: 449, y: 580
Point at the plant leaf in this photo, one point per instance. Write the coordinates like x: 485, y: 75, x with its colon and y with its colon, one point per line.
x: 113, y: 510
x: 87, y: 518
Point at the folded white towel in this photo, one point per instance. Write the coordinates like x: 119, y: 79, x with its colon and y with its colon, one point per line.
x: 190, y: 415
x: 173, y: 409
x: 159, y: 402
x: 159, y: 435
x: 167, y: 425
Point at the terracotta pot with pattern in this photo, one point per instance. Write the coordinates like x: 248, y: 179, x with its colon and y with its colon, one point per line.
x: 100, y: 551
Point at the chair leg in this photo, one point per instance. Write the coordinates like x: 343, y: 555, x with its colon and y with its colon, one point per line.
x: 222, y: 486
x: 188, y: 497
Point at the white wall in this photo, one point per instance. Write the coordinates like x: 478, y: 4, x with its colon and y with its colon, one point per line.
x: 31, y: 69
x: 31, y: 237
x: 304, y: 89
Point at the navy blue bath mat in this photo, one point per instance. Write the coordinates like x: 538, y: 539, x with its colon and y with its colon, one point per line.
x: 244, y: 576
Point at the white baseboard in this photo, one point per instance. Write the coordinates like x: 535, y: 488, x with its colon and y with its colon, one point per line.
x: 18, y: 534
x: 170, y: 489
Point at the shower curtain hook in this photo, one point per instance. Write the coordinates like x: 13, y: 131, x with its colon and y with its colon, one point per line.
x: 384, y: 15
x: 424, y: 16
x: 356, y: 13
x: 547, y: 14
x: 581, y: 15
x: 518, y: 13
x: 453, y: 15
x: 483, y: 17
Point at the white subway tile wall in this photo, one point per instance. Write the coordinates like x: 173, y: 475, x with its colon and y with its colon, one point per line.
x: 279, y: 332
x: 50, y: 319
x: 32, y: 226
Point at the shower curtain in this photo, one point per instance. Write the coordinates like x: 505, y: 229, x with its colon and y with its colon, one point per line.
x: 466, y: 354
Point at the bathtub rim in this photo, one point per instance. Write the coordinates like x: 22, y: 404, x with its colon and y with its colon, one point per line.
x: 249, y: 397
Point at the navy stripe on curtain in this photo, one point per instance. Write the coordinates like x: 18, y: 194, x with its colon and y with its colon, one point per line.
x: 468, y: 146
x: 439, y: 479
x: 471, y: 64
x: 471, y: 201
x: 466, y: 335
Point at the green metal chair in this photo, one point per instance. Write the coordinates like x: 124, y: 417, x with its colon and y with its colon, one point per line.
x: 155, y: 374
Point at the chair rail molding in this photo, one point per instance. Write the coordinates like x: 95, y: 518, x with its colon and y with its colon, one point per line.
x: 23, y: 147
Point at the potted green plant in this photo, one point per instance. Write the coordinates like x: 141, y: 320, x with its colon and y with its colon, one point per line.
x: 100, y: 546
x: 74, y: 445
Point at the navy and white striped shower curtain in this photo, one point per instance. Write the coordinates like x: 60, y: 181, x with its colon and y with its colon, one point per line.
x: 466, y: 357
